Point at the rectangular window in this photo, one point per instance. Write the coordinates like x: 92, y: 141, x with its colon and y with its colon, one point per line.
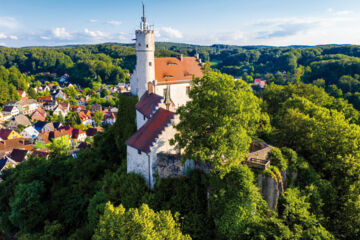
x: 139, y: 152
x: 188, y: 90
x: 150, y: 64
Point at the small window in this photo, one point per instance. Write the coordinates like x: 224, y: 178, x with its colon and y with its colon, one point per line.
x: 144, y: 117
x: 139, y: 152
x: 139, y: 44
x: 147, y: 45
x: 188, y: 90
x: 150, y: 64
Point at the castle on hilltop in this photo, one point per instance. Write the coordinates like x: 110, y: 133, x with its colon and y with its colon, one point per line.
x: 162, y: 85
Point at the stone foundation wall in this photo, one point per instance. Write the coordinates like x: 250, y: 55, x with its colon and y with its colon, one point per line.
x: 172, y: 165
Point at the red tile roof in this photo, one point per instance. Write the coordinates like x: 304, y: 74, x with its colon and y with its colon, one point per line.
x: 148, y: 103
x: 44, y: 99
x: 174, y: 70
x: 145, y: 136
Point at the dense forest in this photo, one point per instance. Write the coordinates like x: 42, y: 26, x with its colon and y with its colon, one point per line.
x: 307, y: 112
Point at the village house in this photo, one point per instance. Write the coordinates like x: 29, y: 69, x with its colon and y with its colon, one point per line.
x: 45, y: 99
x: 6, y: 146
x: 10, y: 111
x: 42, y: 140
x: 162, y: 85
x: 6, y: 134
x: 91, y: 132
x: 61, y: 109
x: 22, y: 93
x: 6, y: 163
x: 19, y: 120
x: 109, y: 118
x: 28, y: 106
x: 30, y: 132
x: 39, y: 115
x: 258, y: 84
x: 50, y: 106
x: 58, y: 93
x: 42, y: 126
x: 85, y: 118
x: 17, y: 156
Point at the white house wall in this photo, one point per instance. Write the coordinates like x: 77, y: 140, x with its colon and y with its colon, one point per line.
x: 177, y: 93
x: 138, y: 163
x: 140, y: 121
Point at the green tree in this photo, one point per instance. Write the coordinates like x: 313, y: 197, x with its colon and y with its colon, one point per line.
x: 27, y: 212
x: 32, y: 93
x: 215, y: 127
x: 142, y: 223
x: 98, y: 117
x: 294, y: 210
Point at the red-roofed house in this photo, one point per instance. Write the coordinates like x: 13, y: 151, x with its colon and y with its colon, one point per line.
x: 39, y: 115
x: 22, y: 93
x: 150, y: 139
x: 109, y: 118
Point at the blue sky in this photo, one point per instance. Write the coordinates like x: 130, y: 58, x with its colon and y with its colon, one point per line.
x: 239, y: 22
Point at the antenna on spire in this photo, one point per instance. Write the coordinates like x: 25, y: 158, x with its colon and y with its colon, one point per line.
x: 143, y: 19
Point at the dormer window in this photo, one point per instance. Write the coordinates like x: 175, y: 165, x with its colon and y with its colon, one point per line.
x: 168, y: 76
x: 171, y: 64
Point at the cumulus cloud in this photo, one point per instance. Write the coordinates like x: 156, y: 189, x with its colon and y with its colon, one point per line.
x: 8, y: 22
x: 61, y: 33
x: 95, y: 34
x: 93, y: 20
x: 45, y: 37
x: 4, y: 36
x: 168, y: 33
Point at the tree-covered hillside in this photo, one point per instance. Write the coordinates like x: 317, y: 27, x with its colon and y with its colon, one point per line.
x: 303, y: 112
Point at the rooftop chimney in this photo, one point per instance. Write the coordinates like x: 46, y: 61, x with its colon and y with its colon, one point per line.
x: 180, y: 57
x: 150, y: 88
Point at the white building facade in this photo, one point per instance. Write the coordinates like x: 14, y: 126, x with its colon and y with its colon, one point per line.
x: 162, y: 85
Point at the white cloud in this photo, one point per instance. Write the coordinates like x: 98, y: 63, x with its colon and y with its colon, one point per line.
x: 61, y: 33
x: 93, y: 20
x: 167, y: 33
x: 342, y: 13
x: 113, y: 22
x: 8, y: 22
x: 4, y: 36
x: 45, y: 37
x: 95, y: 34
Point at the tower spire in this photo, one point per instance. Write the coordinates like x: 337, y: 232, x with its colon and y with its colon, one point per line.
x: 143, y: 19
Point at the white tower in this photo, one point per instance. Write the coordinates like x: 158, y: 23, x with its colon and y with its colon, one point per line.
x: 145, y: 64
